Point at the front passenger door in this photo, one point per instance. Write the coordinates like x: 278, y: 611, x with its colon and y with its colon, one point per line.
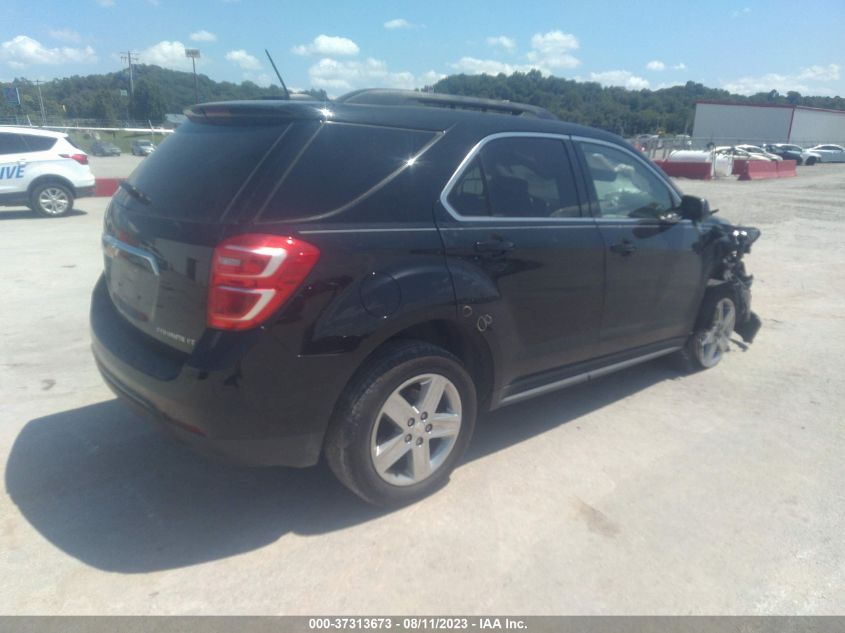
x: 12, y: 164
x: 652, y: 263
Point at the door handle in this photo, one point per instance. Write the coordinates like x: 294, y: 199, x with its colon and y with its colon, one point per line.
x: 624, y: 248
x: 494, y: 246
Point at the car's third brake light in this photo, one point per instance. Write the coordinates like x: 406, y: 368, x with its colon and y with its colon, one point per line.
x: 82, y: 159
x: 252, y: 275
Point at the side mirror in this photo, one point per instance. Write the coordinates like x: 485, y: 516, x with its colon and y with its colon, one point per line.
x: 694, y: 208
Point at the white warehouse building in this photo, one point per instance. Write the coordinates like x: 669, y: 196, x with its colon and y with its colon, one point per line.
x: 724, y: 123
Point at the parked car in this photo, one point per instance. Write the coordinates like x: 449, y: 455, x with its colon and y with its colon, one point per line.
x: 738, y: 153
x: 357, y: 280
x: 142, y: 147
x: 682, y: 141
x: 793, y: 152
x: 104, y: 148
x: 759, y: 151
x: 42, y: 170
x: 829, y: 153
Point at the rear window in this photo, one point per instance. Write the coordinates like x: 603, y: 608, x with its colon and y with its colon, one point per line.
x: 342, y: 164
x: 198, y: 170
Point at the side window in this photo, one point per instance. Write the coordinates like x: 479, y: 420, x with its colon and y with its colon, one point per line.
x: 518, y: 177
x: 469, y: 195
x: 38, y: 143
x: 625, y: 188
x: 12, y: 144
x: 343, y: 163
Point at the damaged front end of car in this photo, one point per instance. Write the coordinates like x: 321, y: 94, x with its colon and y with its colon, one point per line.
x: 730, y: 244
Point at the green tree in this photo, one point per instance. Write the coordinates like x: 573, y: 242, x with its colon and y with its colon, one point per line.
x: 147, y: 102
x: 105, y: 107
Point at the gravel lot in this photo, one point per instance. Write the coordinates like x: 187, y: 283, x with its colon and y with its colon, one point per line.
x: 642, y: 492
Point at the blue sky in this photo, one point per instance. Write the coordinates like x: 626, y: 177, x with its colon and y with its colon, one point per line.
x: 744, y: 46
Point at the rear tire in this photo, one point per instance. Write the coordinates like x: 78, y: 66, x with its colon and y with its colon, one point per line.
x: 51, y: 199
x: 710, y: 340
x: 402, y: 424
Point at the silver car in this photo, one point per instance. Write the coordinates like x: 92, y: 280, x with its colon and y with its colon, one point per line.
x: 829, y: 153
x: 142, y: 147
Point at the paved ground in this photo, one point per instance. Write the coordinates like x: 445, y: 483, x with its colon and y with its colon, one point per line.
x: 114, y: 166
x: 643, y: 492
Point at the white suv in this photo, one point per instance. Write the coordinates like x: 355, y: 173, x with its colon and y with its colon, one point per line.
x: 42, y: 170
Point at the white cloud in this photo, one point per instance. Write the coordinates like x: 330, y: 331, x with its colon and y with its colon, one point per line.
x: 502, y: 41
x: 203, y: 36
x: 328, y: 45
x: 430, y: 77
x: 740, y: 12
x: 167, y: 55
x: 475, y: 66
x: 820, y: 73
x: 398, y: 23
x: 243, y: 59
x: 65, y: 35
x: 679, y: 66
x: 21, y: 51
x: 549, y: 52
x: 552, y: 51
x: 802, y: 81
x: 656, y: 65
x: 621, y: 78
x: 336, y: 76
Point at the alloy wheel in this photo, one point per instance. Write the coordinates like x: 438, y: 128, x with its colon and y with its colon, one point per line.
x: 416, y: 429
x: 714, y: 342
x: 53, y: 200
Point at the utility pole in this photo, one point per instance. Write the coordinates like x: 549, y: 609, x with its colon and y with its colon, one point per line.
x: 130, y: 57
x: 38, y: 83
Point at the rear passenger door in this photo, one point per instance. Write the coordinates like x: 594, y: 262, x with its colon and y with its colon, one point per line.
x: 653, y: 266
x: 526, y: 262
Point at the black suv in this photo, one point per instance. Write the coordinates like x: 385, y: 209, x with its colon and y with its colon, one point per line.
x: 358, y: 278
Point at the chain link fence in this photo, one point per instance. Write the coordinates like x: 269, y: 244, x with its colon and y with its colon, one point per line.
x: 659, y: 147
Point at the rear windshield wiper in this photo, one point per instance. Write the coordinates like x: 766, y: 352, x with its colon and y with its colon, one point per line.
x: 136, y: 193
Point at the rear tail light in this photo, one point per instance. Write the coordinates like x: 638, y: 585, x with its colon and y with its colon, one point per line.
x: 82, y: 159
x: 253, y: 275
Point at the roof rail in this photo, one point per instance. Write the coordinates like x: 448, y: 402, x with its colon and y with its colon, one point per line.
x: 379, y: 96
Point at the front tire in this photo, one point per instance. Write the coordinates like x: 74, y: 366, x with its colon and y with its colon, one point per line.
x: 51, y: 200
x: 402, y: 424
x: 710, y: 341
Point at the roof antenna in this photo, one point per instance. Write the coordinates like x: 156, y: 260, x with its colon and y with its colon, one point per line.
x: 281, y: 81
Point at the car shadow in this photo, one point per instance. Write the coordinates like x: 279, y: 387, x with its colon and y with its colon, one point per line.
x: 28, y: 214
x: 115, y: 493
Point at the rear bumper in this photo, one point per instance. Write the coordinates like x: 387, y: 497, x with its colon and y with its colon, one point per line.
x: 297, y: 451
x: 85, y: 192
x: 244, y: 401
